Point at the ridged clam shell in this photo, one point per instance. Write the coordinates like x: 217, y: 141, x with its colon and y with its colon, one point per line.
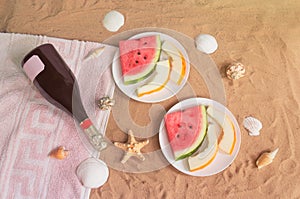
x: 113, y: 21
x: 92, y: 173
x: 253, y: 125
x: 266, y: 158
x: 206, y: 43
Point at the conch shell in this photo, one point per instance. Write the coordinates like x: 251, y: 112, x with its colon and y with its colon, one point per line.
x: 253, y: 125
x: 59, y: 153
x: 94, y: 54
x: 266, y: 158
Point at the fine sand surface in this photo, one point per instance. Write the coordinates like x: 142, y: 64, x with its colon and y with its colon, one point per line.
x: 263, y: 35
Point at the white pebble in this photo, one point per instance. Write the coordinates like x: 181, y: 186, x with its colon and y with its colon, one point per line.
x: 113, y: 21
x: 206, y: 43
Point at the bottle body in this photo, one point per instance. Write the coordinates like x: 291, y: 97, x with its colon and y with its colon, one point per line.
x: 56, y: 82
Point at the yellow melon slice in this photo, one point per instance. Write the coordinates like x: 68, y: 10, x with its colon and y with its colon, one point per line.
x: 205, y: 156
x: 178, y: 62
x: 161, y: 78
x: 228, y: 139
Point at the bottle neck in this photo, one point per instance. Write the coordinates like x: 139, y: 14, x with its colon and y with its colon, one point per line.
x: 94, y: 136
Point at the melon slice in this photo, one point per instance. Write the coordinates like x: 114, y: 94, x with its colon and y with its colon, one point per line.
x: 178, y: 62
x: 218, y: 128
x: 186, y: 130
x: 138, y: 58
x: 206, y: 154
x: 228, y: 139
x: 161, y: 78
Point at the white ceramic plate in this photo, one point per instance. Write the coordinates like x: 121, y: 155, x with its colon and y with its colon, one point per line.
x: 168, y: 91
x: 221, y: 161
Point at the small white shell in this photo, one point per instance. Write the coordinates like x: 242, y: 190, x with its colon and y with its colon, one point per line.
x: 94, y: 53
x: 253, y: 126
x: 105, y: 103
x: 266, y: 158
x: 113, y: 21
x: 235, y: 71
x: 206, y: 43
x: 92, y: 173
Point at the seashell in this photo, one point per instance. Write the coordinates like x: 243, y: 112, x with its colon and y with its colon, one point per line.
x: 59, y: 153
x: 92, y: 173
x: 206, y: 43
x: 94, y: 53
x: 113, y: 21
x: 266, y: 158
x: 105, y: 103
x: 253, y: 126
x: 235, y: 71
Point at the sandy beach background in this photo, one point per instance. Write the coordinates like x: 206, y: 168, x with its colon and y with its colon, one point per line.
x: 263, y: 35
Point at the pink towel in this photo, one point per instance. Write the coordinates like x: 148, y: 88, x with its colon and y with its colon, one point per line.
x: 31, y: 127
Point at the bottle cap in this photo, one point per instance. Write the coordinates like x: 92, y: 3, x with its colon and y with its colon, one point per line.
x: 33, y: 66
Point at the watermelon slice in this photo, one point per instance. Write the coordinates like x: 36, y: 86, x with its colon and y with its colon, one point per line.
x: 186, y: 130
x: 138, y: 58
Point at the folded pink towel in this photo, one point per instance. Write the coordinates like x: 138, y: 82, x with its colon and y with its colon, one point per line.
x: 31, y: 127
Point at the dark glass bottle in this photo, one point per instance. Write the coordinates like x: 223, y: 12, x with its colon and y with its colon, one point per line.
x: 56, y: 82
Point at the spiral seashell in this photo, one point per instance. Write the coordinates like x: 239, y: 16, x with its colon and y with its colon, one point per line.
x: 266, y: 158
x: 94, y: 54
x: 59, y: 153
x: 235, y: 71
x: 92, y: 173
x: 253, y: 126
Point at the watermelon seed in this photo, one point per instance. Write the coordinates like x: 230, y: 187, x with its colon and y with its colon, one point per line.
x: 145, y: 43
x: 145, y: 57
x: 139, y: 53
x: 190, y: 126
x: 177, y: 136
x: 137, y: 61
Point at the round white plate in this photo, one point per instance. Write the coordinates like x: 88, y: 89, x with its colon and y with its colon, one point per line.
x: 221, y: 161
x: 168, y: 91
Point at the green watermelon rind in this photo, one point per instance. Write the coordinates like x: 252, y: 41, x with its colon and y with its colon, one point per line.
x: 133, y: 79
x: 127, y: 79
x: 192, y: 149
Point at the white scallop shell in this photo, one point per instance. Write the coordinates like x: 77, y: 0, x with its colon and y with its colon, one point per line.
x: 113, y: 21
x: 253, y: 125
x: 206, y: 43
x: 92, y: 173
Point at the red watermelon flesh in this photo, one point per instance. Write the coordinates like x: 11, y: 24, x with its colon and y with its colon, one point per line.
x: 186, y: 130
x: 138, y: 57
